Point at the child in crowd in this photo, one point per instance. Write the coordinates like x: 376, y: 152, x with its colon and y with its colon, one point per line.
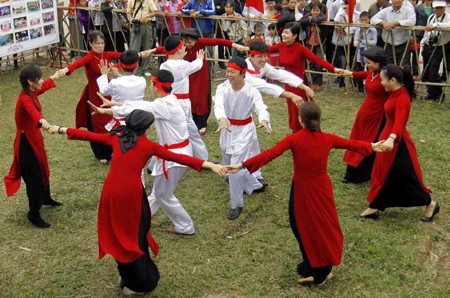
x: 315, y: 39
x: 364, y: 39
x: 235, y: 29
x: 272, y: 38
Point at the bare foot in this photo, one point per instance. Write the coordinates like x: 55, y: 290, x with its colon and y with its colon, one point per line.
x: 430, y: 208
x: 369, y: 211
x: 329, y: 277
x: 306, y: 280
x: 171, y: 230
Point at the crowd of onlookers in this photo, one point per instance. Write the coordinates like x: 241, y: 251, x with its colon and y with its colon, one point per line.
x: 143, y: 27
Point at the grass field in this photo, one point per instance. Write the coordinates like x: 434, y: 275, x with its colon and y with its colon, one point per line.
x: 254, y: 256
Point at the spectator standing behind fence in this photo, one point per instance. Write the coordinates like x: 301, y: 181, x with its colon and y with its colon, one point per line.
x: 235, y: 29
x: 220, y: 33
x: 185, y: 22
x: 364, y: 38
x: 140, y: 12
x: 373, y: 10
x: 342, y: 36
x: 111, y: 30
x: 174, y: 23
x: 96, y: 16
x: 422, y: 11
x: 390, y: 18
x: 271, y: 39
x: 162, y: 32
x: 85, y: 24
x: 447, y: 49
x: 289, y: 14
x: 433, y: 43
x: 196, y: 8
x: 315, y: 37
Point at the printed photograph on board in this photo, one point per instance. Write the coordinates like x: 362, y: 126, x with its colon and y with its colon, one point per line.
x: 20, y: 23
x: 5, y: 12
x: 5, y: 25
x: 48, y: 17
x: 46, y: 4
x: 35, y: 33
x: 6, y: 40
x: 21, y: 36
x: 33, y: 6
x: 49, y: 29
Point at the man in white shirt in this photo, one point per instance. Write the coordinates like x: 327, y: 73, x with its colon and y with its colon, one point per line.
x: 397, y: 49
x: 433, y: 43
x: 258, y: 68
x: 181, y: 69
x: 234, y: 103
x: 125, y: 87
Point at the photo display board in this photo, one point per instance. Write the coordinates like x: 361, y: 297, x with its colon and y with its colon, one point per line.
x: 27, y: 24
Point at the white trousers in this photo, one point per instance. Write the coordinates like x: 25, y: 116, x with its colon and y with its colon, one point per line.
x: 241, y: 181
x: 162, y: 196
x: 198, y: 146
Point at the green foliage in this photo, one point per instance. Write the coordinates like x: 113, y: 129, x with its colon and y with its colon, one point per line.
x: 253, y: 256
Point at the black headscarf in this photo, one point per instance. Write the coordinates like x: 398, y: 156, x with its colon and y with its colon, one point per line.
x: 137, y: 122
x: 377, y: 55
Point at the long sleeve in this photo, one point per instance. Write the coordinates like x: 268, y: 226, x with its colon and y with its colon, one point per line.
x: 104, y: 86
x: 84, y: 135
x: 260, y: 108
x: 317, y: 60
x: 156, y: 107
x: 379, y: 17
x: 361, y: 147
x: 410, y: 18
x: 263, y: 86
x: 268, y: 155
x: 46, y: 85
x: 79, y: 63
x: 209, y: 10
x: 402, y: 109
x: 283, y: 76
x: 214, y: 42
x: 219, y: 108
x: 360, y: 75
x: 193, y: 66
x: 187, y: 8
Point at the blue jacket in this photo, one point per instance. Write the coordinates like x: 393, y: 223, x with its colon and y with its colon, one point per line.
x: 207, y: 9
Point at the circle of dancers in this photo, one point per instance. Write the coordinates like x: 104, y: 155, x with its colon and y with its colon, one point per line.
x: 118, y: 119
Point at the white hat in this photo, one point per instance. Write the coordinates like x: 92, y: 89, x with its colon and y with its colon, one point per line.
x: 437, y: 3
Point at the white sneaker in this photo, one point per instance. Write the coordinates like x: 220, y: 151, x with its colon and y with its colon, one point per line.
x: 128, y: 292
x: 147, y: 74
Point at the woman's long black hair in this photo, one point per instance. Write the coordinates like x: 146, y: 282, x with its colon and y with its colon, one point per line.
x: 403, y: 75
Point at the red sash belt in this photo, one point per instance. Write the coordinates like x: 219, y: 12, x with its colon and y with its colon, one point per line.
x: 182, y: 96
x: 240, y: 122
x: 173, y: 146
x: 115, y: 122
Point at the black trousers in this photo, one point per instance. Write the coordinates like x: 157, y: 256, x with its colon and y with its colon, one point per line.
x: 201, y: 121
x: 304, y: 268
x: 100, y: 151
x: 141, y: 275
x: 363, y: 171
x: 397, y: 52
x: 402, y: 187
x: 432, y: 58
x: 33, y: 175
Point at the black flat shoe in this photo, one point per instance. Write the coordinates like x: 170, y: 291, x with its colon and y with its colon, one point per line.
x: 38, y: 221
x: 436, y: 210
x: 262, y: 181
x: 374, y: 215
x: 53, y: 203
x: 234, y: 213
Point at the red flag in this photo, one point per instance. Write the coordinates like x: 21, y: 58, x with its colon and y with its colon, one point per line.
x: 351, y: 9
x: 257, y: 5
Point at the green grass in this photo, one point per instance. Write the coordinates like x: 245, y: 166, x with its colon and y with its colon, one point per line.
x: 254, y: 256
